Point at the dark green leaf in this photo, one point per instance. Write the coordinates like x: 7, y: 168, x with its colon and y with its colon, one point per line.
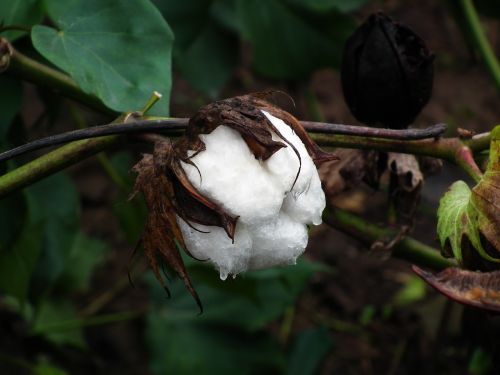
x: 48, y: 323
x: 59, y: 211
x: 10, y: 103
x: 254, y: 299
x: 19, y: 12
x: 343, y: 6
x: 228, y: 336
x: 291, y: 41
x: 18, y: 260
x: 118, y: 50
x: 13, y: 212
x: 131, y: 214
x: 205, y: 51
x: 480, y: 363
x: 308, y: 351
x: 85, y: 254
x: 44, y: 368
x: 190, y: 348
x: 208, y: 62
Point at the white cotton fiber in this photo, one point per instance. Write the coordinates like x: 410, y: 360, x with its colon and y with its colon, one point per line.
x: 216, y: 246
x: 272, y: 223
x: 278, y: 242
x: 232, y: 177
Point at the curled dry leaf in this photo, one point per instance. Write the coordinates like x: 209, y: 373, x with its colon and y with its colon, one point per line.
x: 169, y: 193
x: 405, y: 185
x: 355, y: 166
x: 478, y: 289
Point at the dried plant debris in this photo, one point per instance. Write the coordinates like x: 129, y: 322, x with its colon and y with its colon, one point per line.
x: 238, y: 190
x: 478, y: 289
x: 356, y: 166
x: 405, y: 185
x: 470, y: 219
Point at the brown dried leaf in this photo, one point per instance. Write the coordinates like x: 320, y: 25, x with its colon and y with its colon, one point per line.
x: 348, y: 172
x: 405, y: 185
x: 478, y: 289
x: 161, y: 236
x: 486, y: 195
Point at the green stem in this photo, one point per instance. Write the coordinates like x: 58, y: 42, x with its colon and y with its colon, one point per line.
x: 53, y: 162
x: 408, y: 248
x: 483, y: 46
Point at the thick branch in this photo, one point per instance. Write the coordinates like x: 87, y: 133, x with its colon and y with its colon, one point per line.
x: 53, y: 162
x: 408, y: 248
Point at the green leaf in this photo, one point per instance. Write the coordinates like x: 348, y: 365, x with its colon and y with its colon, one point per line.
x: 191, y: 348
x: 18, y: 260
x: 290, y: 41
x: 309, y: 350
x: 209, y: 61
x: 59, y: 212
x: 118, y: 50
x: 248, y: 302
x: 206, y: 47
x: 51, y: 316
x: 474, y: 214
x: 481, y: 362
x: 44, y: 368
x: 85, y: 254
x: 458, y: 216
x: 413, y: 290
x: 228, y: 336
x: 19, y: 12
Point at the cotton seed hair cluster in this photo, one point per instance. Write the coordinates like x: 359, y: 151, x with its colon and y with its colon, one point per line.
x: 272, y: 210
x: 238, y: 189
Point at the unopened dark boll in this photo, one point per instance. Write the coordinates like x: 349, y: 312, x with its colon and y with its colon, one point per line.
x: 387, y: 73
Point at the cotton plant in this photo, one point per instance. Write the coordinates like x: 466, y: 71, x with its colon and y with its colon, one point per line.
x: 237, y: 190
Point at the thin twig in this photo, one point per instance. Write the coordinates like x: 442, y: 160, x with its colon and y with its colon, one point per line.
x: 365, y: 131
x: 175, y: 124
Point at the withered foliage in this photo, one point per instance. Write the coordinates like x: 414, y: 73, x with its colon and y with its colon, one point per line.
x: 168, y: 192
x: 357, y: 166
x: 478, y: 289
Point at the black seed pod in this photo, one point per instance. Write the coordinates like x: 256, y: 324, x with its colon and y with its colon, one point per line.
x: 387, y: 73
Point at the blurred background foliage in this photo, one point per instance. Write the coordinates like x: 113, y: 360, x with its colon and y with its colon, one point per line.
x: 66, y: 305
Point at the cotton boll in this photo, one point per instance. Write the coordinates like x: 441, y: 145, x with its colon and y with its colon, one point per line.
x: 272, y: 217
x: 277, y: 243
x: 216, y: 247
x: 307, y: 206
x: 232, y: 177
